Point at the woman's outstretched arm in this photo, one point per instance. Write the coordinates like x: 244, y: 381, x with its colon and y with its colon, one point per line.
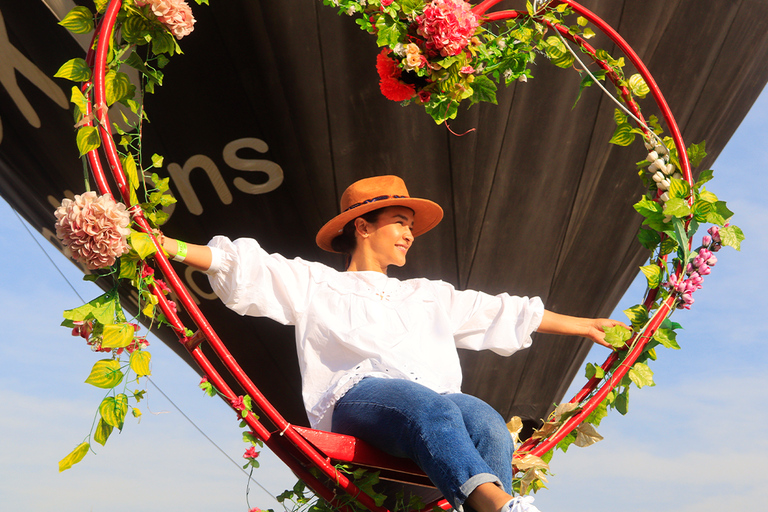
x: 592, y: 328
x: 197, y: 256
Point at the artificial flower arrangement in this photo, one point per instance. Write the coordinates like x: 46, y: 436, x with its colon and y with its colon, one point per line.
x: 96, y: 230
x: 439, y: 53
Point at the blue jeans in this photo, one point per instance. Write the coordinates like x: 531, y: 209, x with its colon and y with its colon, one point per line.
x: 458, y: 440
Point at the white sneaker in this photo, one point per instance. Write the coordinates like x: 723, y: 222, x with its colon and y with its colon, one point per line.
x: 520, y: 504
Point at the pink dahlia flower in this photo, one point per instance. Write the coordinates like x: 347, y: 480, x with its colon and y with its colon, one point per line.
x: 93, y: 229
x: 174, y: 14
x: 447, y: 26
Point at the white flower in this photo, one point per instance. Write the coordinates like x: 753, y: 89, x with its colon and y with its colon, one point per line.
x: 652, y: 156
x: 669, y: 169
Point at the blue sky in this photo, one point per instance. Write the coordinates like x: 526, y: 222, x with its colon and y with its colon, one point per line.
x: 692, y: 443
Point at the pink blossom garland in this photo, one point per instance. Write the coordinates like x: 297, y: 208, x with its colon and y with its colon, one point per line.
x: 93, y: 229
x: 447, y: 26
x: 700, y: 266
x: 174, y: 14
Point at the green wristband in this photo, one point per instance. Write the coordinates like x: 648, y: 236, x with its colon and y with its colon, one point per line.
x: 181, y: 251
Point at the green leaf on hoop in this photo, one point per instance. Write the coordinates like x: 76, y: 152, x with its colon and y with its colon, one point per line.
x: 102, y: 309
x: 157, y: 161
x: 103, y: 431
x: 623, y: 136
x: 641, y: 375
x: 80, y: 102
x: 76, y: 70
x: 117, y: 335
x: 558, y: 53
x: 677, y: 208
x: 719, y: 214
x: 105, y: 374
x: 679, y: 188
x: 78, y: 21
x: 621, y: 403
x: 667, y: 337
x: 638, y: 86
x: 649, y: 238
x: 592, y: 371
x: 617, y: 335
x: 118, y: 86
x: 142, y: 244
x: 113, y: 410
x: 732, y: 236
x: 483, y: 89
x: 637, y: 315
x: 704, y: 177
x: 101, y: 5
x: 74, y: 457
x: 652, y: 274
x: 87, y: 139
x: 388, y: 32
x: 696, y: 153
x: 140, y: 362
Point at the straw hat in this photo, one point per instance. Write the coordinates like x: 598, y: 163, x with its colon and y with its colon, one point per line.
x: 371, y: 194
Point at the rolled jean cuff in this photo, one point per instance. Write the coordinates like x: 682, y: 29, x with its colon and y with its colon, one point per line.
x: 470, y: 485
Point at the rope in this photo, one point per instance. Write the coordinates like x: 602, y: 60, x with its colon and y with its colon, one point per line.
x: 596, y: 81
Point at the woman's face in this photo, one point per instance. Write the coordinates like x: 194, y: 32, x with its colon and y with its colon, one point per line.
x: 390, y: 236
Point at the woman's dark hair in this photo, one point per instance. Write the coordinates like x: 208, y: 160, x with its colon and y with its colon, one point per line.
x: 346, y: 243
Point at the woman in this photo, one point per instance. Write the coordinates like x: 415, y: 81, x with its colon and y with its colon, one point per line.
x: 378, y: 355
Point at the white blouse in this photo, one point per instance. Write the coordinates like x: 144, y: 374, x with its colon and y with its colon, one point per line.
x: 351, y: 325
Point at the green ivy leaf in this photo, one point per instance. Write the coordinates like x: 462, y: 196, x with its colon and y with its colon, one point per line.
x: 679, y: 188
x: 118, y: 86
x: 667, y: 337
x: 623, y: 136
x: 646, y: 207
x: 103, y: 431
x: 617, y: 335
x: 74, y: 457
x: 117, y: 335
x: 483, y: 89
x: 696, y: 153
x: 113, y: 410
x: 157, y: 161
x: 558, y: 53
x: 704, y: 177
x: 621, y: 403
x: 78, y: 21
x: 102, y: 309
x: 719, y: 214
x: 641, y: 375
x: 142, y: 244
x: 388, y: 31
x: 649, y: 238
x: 76, y: 70
x: 79, y: 101
x: 600, y: 412
x: 732, y: 236
x: 677, y: 207
x: 593, y: 371
x: 140, y: 362
x: 637, y: 315
x: 652, y: 274
x: 105, y: 374
x: 638, y: 86
x: 87, y: 139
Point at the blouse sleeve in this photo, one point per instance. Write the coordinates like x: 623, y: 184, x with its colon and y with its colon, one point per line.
x: 501, y: 323
x: 252, y: 282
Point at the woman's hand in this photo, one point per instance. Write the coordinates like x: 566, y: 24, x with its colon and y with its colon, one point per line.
x: 592, y: 328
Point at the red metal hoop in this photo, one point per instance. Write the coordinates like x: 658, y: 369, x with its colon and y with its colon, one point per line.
x: 288, y: 443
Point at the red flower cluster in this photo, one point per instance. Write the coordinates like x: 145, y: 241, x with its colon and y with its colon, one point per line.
x: 389, y: 74
x: 447, y: 26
